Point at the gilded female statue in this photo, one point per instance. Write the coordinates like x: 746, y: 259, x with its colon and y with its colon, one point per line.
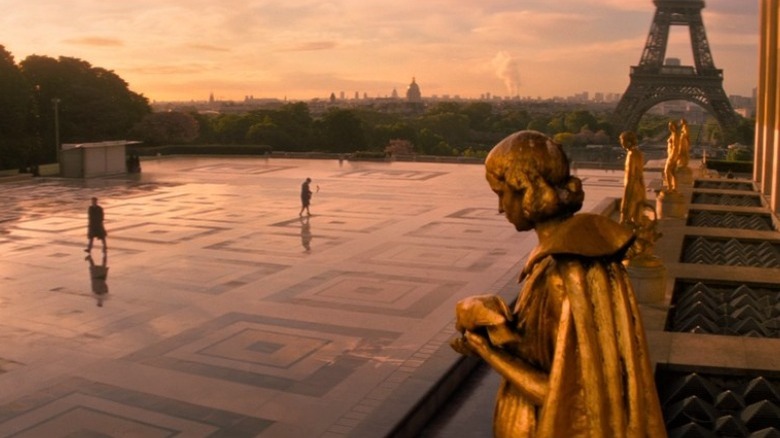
x: 572, y: 351
x: 672, y: 155
x: 685, y: 145
x: 633, y: 203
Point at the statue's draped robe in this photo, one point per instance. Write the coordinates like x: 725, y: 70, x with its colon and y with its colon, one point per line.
x: 579, y: 322
x: 633, y: 202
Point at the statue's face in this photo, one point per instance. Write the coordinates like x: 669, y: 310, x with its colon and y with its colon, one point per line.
x: 510, y: 203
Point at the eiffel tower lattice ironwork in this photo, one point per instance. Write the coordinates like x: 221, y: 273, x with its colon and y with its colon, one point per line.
x: 653, y: 82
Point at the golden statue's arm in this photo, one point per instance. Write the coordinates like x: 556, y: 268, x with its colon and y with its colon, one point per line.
x: 533, y: 383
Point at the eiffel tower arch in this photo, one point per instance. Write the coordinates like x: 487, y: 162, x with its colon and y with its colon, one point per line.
x: 652, y: 82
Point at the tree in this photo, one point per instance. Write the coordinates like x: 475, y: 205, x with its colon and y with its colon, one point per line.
x: 540, y: 123
x: 575, y: 121
x: 583, y: 137
x: 267, y: 132
x: 17, y: 146
x: 479, y: 114
x: 512, y: 121
x: 566, y: 139
x: 399, y: 147
x: 295, y: 126
x: 453, y: 128
x: 231, y: 128
x: 94, y: 103
x: 342, y: 131
x: 557, y: 124
x: 171, y: 127
x: 746, y: 130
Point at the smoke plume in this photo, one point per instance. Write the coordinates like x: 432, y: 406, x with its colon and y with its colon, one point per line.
x: 508, y: 70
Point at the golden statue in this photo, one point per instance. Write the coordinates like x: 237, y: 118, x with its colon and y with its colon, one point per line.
x: 633, y: 202
x: 635, y: 212
x: 646, y: 230
x: 672, y: 155
x: 572, y: 352
x: 685, y: 145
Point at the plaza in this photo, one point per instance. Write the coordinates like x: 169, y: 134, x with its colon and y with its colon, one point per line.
x: 230, y: 315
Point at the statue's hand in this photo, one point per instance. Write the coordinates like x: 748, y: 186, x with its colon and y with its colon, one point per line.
x: 470, y: 344
x: 481, y: 311
x: 461, y: 345
x: 478, y: 344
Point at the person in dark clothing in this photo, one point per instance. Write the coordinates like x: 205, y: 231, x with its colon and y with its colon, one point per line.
x: 305, y: 197
x: 95, y: 228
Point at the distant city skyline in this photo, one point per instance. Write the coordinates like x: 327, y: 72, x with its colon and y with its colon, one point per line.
x: 176, y: 50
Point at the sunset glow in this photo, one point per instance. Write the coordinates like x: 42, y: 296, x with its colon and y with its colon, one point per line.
x: 302, y: 49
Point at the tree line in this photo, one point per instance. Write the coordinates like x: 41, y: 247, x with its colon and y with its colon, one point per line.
x: 89, y: 103
x: 444, y: 128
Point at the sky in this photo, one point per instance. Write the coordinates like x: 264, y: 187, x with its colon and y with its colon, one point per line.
x: 182, y: 50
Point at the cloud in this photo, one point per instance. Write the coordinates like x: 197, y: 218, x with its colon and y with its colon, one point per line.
x: 162, y: 69
x: 95, y: 41
x: 508, y: 70
x: 311, y: 46
x: 452, y: 46
x: 208, y: 48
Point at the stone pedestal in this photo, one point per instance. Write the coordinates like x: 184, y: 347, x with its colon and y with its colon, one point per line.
x: 684, y: 176
x: 648, y: 277
x: 670, y: 205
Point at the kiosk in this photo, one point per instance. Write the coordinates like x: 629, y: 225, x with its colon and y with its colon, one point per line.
x: 85, y: 160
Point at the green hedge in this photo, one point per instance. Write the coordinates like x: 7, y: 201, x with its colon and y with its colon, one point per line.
x: 367, y: 155
x: 734, y: 166
x: 205, y: 149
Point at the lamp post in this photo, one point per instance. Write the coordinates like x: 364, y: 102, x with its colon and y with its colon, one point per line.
x: 56, y: 102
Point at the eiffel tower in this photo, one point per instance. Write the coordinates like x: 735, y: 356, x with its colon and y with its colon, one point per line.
x: 652, y: 82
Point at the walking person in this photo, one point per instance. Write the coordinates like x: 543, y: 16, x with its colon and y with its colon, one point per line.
x: 95, y: 228
x: 305, y: 197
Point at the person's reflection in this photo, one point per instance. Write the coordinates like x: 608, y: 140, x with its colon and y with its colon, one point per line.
x: 305, y: 234
x: 97, y: 276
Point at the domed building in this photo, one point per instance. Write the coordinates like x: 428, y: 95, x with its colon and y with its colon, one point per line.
x: 413, y: 92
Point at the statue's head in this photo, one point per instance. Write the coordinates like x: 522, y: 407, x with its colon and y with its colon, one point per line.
x: 628, y: 139
x: 530, y: 174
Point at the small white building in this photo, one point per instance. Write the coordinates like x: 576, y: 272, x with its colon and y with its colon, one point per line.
x: 85, y: 160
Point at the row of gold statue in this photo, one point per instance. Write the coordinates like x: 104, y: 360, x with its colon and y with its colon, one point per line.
x: 572, y: 349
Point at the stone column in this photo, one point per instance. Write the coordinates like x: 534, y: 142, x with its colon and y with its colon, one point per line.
x: 774, y: 43
x: 767, y: 159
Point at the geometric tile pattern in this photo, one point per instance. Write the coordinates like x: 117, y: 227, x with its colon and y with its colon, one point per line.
x: 348, y: 223
x: 461, y: 231
x: 456, y: 258
x: 151, y: 232
x: 212, y: 276
x: 723, y: 309
x: 81, y: 408
x: 707, y: 404
x: 723, y: 185
x: 477, y: 214
x: 731, y: 252
x: 726, y: 199
x: 713, y: 219
x: 280, y: 244
x: 390, y: 174
x: 382, y: 294
x: 236, y: 168
x: 274, y: 353
x: 228, y: 314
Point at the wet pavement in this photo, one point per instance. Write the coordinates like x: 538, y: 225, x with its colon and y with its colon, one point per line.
x: 227, y: 313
